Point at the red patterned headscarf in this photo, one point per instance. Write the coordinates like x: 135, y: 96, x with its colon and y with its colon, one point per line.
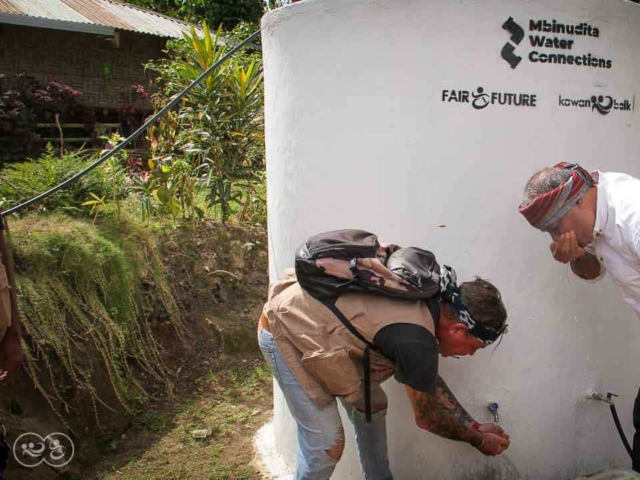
x: 548, y: 208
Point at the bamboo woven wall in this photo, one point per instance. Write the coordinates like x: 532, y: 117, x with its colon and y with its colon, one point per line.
x: 94, y: 65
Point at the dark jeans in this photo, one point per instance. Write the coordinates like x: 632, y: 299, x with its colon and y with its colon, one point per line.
x: 636, y: 435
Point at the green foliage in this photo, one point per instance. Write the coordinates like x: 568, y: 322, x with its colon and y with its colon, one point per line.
x: 272, y: 4
x: 214, y: 142
x: 120, y: 176
x: 21, y: 181
x: 83, y: 313
x: 96, y: 204
x: 254, y: 208
x: 224, y: 13
x: 240, y: 32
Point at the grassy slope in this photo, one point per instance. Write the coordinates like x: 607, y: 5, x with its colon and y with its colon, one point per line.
x: 186, y: 301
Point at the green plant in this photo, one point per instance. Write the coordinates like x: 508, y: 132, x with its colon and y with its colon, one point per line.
x: 119, y: 172
x: 216, y: 136
x: 254, y: 204
x: 145, y: 187
x: 96, y: 204
x: 21, y: 181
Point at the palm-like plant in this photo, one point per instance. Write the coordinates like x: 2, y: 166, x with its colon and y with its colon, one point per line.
x: 219, y: 130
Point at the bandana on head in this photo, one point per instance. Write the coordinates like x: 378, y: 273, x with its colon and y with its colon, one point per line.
x: 550, y: 207
x: 450, y: 293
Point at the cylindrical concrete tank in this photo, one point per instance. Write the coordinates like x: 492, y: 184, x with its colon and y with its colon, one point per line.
x: 422, y: 121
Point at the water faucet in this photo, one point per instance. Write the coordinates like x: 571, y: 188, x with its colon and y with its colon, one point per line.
x: 602, y: 397
x: 493, y: 408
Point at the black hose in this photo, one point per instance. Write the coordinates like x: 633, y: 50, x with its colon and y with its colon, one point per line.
x: 616, y: 420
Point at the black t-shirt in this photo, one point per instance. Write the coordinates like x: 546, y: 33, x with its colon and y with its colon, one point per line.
x: 414, y: 350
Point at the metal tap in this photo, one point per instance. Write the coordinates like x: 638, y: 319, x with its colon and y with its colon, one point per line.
x: 603, y: 398
x: 493, y: 408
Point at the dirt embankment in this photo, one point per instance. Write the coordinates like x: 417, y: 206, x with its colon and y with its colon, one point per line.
x: 198, y: 424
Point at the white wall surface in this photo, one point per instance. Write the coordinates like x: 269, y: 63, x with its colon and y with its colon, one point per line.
x: 358, y: 136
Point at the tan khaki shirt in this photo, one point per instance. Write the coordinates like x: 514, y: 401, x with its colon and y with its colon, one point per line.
x: 324, y: 356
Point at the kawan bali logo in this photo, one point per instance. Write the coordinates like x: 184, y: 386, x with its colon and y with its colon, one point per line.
x: 481, y: 99
x: 603, y: 104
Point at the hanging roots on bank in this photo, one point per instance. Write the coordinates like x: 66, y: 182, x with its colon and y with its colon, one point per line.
x: 88, y: 296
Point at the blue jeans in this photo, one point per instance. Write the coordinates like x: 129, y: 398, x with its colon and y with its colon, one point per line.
x: 320, y: 430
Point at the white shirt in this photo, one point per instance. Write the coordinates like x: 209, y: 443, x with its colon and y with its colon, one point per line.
x: 616, y: 233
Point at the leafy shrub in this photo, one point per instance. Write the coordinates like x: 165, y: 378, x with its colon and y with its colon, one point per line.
x: 22, y: 181
x: 216, y: 137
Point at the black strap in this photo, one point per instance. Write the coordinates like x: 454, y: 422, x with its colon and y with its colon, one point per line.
x: 367, y: 384
x: 433, y: 304
x: 330, y: 304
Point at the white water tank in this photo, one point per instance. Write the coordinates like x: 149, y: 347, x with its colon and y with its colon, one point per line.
x: 422, y: 121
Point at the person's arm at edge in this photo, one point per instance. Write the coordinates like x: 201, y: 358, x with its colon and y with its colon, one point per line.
x: 440, y: 413
x: 11, y: 347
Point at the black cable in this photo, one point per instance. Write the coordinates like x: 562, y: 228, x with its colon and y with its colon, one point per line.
x: 134, y: 135
x: 616, y: 420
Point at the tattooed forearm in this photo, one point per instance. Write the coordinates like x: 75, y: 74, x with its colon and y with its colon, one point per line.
x: 442, y: 414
